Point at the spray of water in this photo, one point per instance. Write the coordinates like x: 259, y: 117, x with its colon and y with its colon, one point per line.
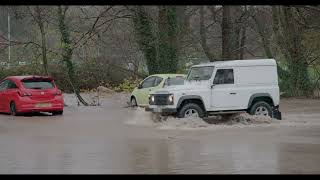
x: 142, y: 118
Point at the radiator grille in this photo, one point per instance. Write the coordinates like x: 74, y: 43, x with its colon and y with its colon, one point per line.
x: 161, y: 99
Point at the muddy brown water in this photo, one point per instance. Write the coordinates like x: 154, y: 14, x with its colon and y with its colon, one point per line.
x: 113, y: 139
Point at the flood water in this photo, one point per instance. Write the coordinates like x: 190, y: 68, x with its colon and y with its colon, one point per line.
x: 114, y: 139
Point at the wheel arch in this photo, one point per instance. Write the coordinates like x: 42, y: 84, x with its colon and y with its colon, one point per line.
x: 191, y: 99
x: 260, y: 97
x: 133, y: 96
x: 9, y: 107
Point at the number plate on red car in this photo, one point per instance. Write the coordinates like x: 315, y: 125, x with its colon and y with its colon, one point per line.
x: 40, y: 105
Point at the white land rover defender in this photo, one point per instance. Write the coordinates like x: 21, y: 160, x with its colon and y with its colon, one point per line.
x: 222, y: 87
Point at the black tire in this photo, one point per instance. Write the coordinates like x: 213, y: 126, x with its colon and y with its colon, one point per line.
x: 55, y: 113
x: 262, y: 105
x: 189, y: 106
x: 13, y: 109
x: 133, y: 102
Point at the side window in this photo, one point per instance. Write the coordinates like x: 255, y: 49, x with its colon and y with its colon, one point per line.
x: 12, y: 85
x: 3, y: 85
x: 224, y: 76
x: 148, y: 82
x: 157, y: 81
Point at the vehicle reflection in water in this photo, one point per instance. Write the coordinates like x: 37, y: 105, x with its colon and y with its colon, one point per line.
x: 97, y: 140
x: 194, y: 157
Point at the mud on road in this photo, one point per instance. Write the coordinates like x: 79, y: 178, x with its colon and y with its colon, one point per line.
x: 112, y: 138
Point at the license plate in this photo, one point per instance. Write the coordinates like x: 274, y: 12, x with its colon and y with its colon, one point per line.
x: 158, y: 109
x: 40, y: 105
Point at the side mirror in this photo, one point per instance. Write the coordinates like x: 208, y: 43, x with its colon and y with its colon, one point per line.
x: 212, y: 85
x: 140, y: 86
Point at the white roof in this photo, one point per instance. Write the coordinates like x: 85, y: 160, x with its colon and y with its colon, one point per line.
x: 233, y: 63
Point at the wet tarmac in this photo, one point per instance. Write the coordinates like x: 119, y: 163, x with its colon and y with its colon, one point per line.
x: 114, y: 139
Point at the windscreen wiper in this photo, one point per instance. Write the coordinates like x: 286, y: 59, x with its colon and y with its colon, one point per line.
x: 36, y: 88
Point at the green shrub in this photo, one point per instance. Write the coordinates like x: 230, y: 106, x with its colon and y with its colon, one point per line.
x: 127, y: 85
x: 89, y: 74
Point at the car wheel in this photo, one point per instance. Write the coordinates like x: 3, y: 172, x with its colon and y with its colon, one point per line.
x: 191, y: 110
x: 13, y: 109
x: 261, y: 108
x: 57, y: 113
x: 133, y: 102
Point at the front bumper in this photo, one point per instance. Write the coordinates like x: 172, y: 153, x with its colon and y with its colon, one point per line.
x: 161, y: 110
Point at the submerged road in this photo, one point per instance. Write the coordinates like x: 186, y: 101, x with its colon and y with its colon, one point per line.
x: 97, y: 140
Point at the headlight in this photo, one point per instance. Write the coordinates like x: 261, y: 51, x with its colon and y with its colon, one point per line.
x: 151, y: 99
x: 170, y: 99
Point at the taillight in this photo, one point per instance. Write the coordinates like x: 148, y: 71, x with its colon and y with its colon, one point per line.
x: 23, y: 94
x: 58, y: 93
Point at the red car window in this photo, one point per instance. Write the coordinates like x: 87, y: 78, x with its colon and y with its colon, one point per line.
x: 4, y: 85
x: 11, y: 85
x: 38, y: 83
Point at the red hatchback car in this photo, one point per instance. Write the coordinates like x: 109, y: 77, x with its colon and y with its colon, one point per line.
x: 22, y: 94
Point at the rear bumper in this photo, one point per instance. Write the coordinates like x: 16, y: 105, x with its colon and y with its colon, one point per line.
x: 49, y: 109
x: 28, y: 105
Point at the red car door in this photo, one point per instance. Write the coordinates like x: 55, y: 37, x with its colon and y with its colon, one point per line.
x: 3, y: 88
x: 9, y: 93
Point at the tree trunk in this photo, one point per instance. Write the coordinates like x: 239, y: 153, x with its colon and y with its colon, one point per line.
x: 242, y: 21
x: 289, y: 37
x: 226, y: 27
x: 182, y: 24
x: 203, y: 37
x: 39, y: 19
x: 298, y: 65
x: 146, y: 39
x: 172, y: 65
x: 264, y: 34
x: 168, y: 43
x: 44, y: 52
x: 242, y: 41
x: 162, y: 37
x: 183, y: 19
x: 238, y: 31
x: 67, y: 53
x: 235, y: 46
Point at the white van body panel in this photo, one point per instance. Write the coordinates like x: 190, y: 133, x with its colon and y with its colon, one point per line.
x: 251, y: 78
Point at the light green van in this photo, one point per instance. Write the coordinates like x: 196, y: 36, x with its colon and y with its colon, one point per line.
x: 139, y: 96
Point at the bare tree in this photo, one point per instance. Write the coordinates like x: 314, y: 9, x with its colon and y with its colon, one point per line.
x: 226, y: 28
x: 265, y: 32
x: 38, y: 13
x: 203, y: 37
x: 289, y: 37
x: 67, y: 51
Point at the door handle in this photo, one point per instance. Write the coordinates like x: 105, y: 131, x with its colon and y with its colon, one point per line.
x: 233, y: 93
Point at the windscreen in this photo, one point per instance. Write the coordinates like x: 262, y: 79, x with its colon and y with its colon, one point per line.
x: 38, y: 83
x: 173, y: 81
x: 200, y: 73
